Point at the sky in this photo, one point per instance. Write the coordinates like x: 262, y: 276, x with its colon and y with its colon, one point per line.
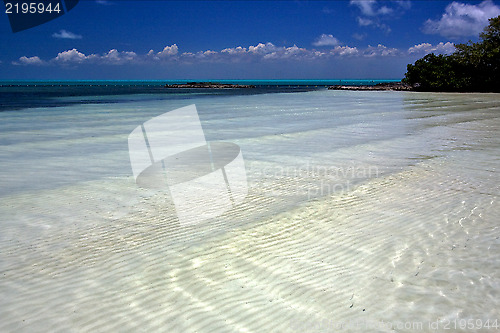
x: 295, y: 39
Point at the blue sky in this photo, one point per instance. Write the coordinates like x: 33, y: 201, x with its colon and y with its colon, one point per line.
x: 239, y: 39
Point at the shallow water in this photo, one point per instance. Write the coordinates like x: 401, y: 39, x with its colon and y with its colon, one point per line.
x: 365, y: 210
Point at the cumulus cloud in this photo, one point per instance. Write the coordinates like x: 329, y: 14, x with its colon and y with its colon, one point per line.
x: 112, y: 57
x: 72, y: 56
x: 171, y: 53
x: 426, y: 48
x: 207, y: 55
x: 262, y: 48
x: 259, y: 52
x: 269, y: 51
x: 326, y: 40
x: 167, y: 52
x: 115, y: 57
x: 461, y: 19
x: 266, y: 51
x: 63, y: 34
x: 287, y: 52
x: 344, y: 51
x: 235, y: 50
x: 29, y: 61
x: 380, y: 51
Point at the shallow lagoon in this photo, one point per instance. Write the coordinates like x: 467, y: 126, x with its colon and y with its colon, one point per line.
x: 366, y: 210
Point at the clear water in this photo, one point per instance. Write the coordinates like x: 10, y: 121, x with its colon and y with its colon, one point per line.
x: 365, y: 210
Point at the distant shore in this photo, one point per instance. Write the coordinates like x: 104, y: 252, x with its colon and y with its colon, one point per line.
x: 386, y: 86
x: 394, y: 86
x: 210, y: 85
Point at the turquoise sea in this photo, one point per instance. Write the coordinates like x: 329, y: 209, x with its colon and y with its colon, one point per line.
x: 366, y: 212
x: 28, y: 94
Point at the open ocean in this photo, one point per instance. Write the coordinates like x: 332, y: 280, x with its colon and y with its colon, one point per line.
x: 366, y: 211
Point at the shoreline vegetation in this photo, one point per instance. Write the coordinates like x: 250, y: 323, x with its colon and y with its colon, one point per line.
x: 473, y: 67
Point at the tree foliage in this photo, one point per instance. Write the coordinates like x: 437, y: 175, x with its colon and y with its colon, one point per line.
x: 472, y: 67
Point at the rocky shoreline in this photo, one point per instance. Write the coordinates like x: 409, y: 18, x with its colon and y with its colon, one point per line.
x: 210, y: 85
x: 386, y: 86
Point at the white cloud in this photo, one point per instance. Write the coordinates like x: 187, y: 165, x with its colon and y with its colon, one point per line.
x: 366, y: 7
x: 419, y: 48
x: 235, y: 50
x: 72, y: 56
x: 259, y: 52
x: 200, y: 55
x: 262, y: 48
x: 326, y: 40
x: 66, y: 35
x: 374, y: 12
x: 116, y: 58
x: 425, y: 48
x: 169, y: 51
x: 373, y: 8
x: 380, y: 51
x: 376, y: 8
x: 364, y: 22
x: 29, y: 61
x: 265, y: 51
x: 384, y: 10
x: 461, y: 19
x: 166, y: 53
x: 112, y: 57
x: 318, y: 54
x: 287, y: 52
x: 270, y: 51
x: 344, y: 51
